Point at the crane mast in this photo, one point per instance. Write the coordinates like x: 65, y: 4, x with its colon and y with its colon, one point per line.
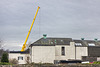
x: 24, y: 45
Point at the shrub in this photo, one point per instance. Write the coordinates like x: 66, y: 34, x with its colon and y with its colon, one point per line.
x: 4, y: 58
x: 96, y: 62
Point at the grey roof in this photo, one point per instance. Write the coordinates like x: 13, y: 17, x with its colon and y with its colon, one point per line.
x: 52, y: 41
x: 63, y: 41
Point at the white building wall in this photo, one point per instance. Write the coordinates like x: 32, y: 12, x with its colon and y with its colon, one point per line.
x: 98, y: 58
x: 47, y: 54
x: 81, y: 51
x: 43, y: 54
x: 69, y: 52
x: 16, y: 55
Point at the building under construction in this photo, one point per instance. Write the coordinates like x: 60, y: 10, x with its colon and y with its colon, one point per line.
x: 53, y: 50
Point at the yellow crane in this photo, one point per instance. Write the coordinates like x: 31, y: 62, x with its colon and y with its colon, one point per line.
x: 24, y: 45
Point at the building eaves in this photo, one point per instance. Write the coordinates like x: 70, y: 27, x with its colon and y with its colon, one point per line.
x: 22, y: 52
x: 41, y: 45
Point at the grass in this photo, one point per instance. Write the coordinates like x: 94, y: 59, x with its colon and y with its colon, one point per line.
x: 4, y: 63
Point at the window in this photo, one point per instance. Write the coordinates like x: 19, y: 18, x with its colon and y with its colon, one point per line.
x: 62, y: 50
x: 91, y: 44
x: 20, y: 58
x: 78, y: 44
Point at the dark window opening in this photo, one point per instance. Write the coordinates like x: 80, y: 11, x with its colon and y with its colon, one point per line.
x: 63, y: 51
x: 27, y: 58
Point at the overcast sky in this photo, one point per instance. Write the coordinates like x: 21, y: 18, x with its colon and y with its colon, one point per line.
x: 57, y: 18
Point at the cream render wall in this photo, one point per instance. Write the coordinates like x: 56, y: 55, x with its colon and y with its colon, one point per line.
x: 16, y: 55
x: 43, y: 54
x: 81, y: 51
x: 47, y: 54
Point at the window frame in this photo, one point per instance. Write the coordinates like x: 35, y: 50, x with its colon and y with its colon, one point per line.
x: 20, y: 57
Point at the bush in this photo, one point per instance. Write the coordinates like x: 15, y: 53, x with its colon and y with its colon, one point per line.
x: 96, y: 62
x: 13, y: 61
x: 4, y: 58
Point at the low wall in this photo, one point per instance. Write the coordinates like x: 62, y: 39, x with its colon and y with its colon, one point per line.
x: 69, y: 65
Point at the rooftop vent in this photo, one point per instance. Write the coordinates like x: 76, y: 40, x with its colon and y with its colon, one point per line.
x: 95, y: 39
x: 82, y: 38
x: 44, y: 36
x: 55, y: 41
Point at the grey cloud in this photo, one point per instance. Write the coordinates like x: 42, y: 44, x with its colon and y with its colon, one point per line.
x: 56, y: 18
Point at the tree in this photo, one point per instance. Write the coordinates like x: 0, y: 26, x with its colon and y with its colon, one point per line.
x: 1, y: 49
x: 4, y: 57
x: 1, y: 44
x: 27, y: 59
x: 13, y: 61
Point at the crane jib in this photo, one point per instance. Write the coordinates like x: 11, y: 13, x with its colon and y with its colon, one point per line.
x: 24, y: 45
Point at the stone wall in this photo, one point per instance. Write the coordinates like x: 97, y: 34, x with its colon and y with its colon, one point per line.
x: 68, y: 65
